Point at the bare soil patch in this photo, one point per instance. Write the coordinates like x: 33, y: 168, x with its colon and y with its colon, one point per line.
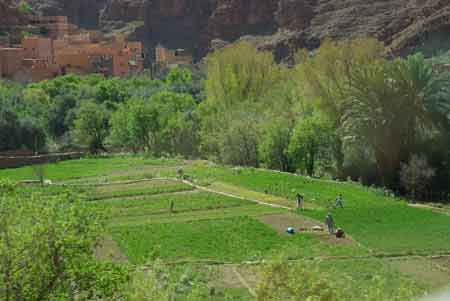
x: 280, y: 222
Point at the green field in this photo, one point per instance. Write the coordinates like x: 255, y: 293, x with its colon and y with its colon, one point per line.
x: 381, y: 223
x: 118, y: 167
x: 226, y: 240
x: 149, y: 217
x: 156, y: 205
x: 133, y: 189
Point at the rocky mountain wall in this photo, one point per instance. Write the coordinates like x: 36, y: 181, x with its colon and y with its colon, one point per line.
x: 280, y: 25
x: 10, y: 15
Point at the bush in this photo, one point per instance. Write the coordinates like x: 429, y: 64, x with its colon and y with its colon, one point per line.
x: 46, y: 245
x: 306, y: 281
x: 416, y: 176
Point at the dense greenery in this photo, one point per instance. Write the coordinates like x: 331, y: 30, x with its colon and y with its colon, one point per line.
x: 46, y: 249
x: 163, y: 231
x: 374, y: 218
x: 342, y: 111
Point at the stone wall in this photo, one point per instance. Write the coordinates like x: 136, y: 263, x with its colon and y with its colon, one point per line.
x: 20, y: 161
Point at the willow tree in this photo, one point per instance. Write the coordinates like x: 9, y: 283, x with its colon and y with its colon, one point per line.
x: 239, y: 78
x: 327, y: 75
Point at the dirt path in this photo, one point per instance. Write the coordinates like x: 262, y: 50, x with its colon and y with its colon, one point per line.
x: 235, y: 196
x: 244, y: 282
x: 432, y: 208
x: 280, y: 222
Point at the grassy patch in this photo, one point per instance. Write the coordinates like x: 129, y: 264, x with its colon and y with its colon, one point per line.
x: 161, y: 204
x: 198, y: 215
x: 137, y: 189
x: 86, y: 167
x: 233, y: 239
x: 355, y: 278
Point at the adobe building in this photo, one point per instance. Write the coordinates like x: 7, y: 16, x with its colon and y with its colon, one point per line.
x: 168, y: 58
x: 69, y: 50
x: 54, y: 27
x: 10, y: 61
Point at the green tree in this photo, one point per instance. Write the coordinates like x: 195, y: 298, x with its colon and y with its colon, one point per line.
x: 143, y: 125
x: 10, y: 136
x: 179, y: 76
x: 273, y: 147
x: 239, y: 144
x: 311, y: 142
x: 239, y: 78
x: 46, y: 245
x: 393, y: 105
x: 112, y: 92
x: 327, y: 75
x: 91, y: 126
x: 238, y: 74
x: 25, y: 7
x: 177, y: 121
x: 136, y: 125
x: 58, y: 119
x: 119, y: 133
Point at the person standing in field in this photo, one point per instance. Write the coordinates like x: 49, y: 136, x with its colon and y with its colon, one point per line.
x: 330, y: 223
x: 180, y: 173
x: 171, y: 206
x: 339, y: 202
x: 300, y: 201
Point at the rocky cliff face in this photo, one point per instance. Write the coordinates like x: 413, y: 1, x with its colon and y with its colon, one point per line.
x: 10, y: 15
x: 85, y: 13
x: 283, y: 24
x: 123, y: 10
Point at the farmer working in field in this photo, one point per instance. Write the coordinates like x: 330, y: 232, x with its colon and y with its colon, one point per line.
x: 339, y: 202
x: 180, y: 173
x: 171, y: 206
x: 300, y: 201
x: 330, y: 223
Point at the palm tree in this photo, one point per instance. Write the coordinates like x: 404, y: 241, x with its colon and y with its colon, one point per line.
x: 390, y: 105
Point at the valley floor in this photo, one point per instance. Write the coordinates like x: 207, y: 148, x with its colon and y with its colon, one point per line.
x: 226, y: 222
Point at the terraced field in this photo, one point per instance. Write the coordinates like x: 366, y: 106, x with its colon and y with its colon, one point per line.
x: 224, y: 218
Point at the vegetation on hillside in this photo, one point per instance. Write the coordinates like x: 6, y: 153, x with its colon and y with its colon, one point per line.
x: 342, y: 111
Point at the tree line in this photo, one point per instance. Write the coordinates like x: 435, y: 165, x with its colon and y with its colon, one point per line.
x: 343, y: 111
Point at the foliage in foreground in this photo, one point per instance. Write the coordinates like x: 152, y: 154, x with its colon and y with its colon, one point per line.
x: 281, y: 280
x: 46, y: 249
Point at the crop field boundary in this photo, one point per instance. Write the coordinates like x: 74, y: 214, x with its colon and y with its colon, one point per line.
x: 129, y: 182
x: 235, y: 196
x: 243, y: 281
x: 297, y: 260
x: 260, y: 203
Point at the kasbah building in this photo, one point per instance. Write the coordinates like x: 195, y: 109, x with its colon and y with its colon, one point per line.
x: 66, y: 49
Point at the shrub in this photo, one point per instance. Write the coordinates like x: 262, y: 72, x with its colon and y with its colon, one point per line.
x: 46, y: 245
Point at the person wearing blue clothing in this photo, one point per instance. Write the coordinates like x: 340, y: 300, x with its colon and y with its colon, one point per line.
x: 339, y: 202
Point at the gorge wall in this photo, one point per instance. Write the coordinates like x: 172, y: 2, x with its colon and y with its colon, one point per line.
x: 279, y: 25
